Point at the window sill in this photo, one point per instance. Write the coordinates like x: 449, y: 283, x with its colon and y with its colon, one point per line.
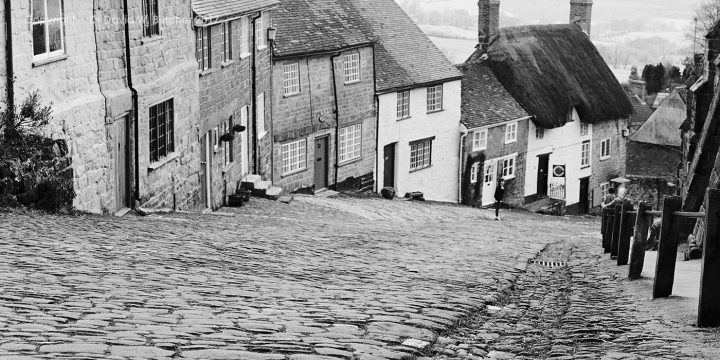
x: 262, y: 47
x: 604, y: 157
x: 291, y: 94
x: 421, y: 169
x: 227, y: 63
x: 479, y: 149
x: 509, y: 177
x: 435, y: 111
x: 151, y: 39
x: 404, y: 118
x: 38, y: 63
x: 207, y: 72
x: 584, y: 167
x: 244, y: 55
x: 262, y: 135
x: 228, y: 167
x: 510, y: 141
x: 351, y: 161
x: 294, y: 172
x: 352, y: 82
x: 158, y: 164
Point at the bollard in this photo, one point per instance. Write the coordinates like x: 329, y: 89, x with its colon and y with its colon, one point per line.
x: 615, y: 243
x: 709, y: 304
x: 637, y: 256
x: 626, y: 230
x: 607, y: 218
x: 667, y: 249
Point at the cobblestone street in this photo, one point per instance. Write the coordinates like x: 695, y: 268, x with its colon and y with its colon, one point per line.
x: 319, y: 278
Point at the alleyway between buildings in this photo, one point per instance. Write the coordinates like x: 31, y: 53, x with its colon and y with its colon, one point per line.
x: 324, y: 278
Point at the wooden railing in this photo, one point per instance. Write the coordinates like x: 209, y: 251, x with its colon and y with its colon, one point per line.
x: 622, y: 221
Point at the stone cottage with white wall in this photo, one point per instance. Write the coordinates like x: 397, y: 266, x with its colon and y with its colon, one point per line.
x: 324, y: 111
x: 418, y: 97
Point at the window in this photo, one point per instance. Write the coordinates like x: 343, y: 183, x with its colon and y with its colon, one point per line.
x: 203, y: 48
x: 228, y: 146
x: 435, y: 98
x: 291, y: 79
x: 480, y: 140
x: 605, y: 149
x: 584, y: 129
x: 403, y: 105
x: 351, y: 66
x: 474, y: 173
x: 294, y: 156
x: 511, y: 133
x: 585, y: 154
x: 151, y: 20
x: 604, y: 189
x: 508, y: 170
x: 162, y: 130
x: 260, y: 115
x: 47, y: 29
x: 227, y: 41
x: 244, y: 37
x: 260, y: 35
x: 350, y: 142
x: 216, y: 138
x: 489, y: 175
x: 420, y: 154
x: 539, y: 133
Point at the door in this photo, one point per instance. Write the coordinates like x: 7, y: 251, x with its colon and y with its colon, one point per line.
x: 321, y: 163
x: 542, y: 176
x: 584, y: 196
x: 121, y: 165
x: 489, y: 182
x: 205, y: 170
x: 389, y: 166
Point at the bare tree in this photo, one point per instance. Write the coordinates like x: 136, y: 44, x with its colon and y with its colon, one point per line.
x: 707, y: 14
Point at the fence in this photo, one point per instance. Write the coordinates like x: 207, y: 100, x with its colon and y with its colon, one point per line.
x: 622, y: 221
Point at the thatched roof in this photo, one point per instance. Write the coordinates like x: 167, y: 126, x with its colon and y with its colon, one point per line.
x: 550, y: 69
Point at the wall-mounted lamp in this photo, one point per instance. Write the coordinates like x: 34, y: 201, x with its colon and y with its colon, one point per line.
x: 271, y: 32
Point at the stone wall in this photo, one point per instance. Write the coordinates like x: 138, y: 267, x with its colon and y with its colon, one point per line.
x: 310, y: 115
x: 651, y: 190
x: 603, y: 170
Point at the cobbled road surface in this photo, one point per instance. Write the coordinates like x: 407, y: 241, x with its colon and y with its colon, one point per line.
x: 319, y: 278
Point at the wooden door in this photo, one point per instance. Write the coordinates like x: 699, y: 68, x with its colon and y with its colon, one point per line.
x: 389, y: 166
x: 584, y: 196
x: 489, y: 182
x: 321, y: 163
x: 122, y: 192
x: 542, y: 176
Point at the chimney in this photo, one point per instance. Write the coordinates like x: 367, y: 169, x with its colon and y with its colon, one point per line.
x: 581, y: 14
x: 488, y: 21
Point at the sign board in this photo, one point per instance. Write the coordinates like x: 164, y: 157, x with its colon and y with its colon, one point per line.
x: 558, y: 171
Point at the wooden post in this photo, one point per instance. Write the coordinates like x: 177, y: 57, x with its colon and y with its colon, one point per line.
x: 667, y: 249
x: 637, y: 256
x: 615, y: 244
x: 709, y: 304
x: 607, y: 229
x: 626, y: 231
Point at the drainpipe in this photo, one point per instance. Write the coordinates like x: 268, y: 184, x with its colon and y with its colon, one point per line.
x: 377, y: 127
x: 253, y: 101
x: 134, y: 110
x: 463, y: 135
x: 337, y: 117
x: 10, y: 67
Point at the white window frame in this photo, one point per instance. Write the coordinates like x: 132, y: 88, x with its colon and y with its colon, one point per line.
x: 261, y: 32
x: 244, y: 37
x: 227, y: 39
x: 509, y: 166
x: 403, y: 105
x: 434, y: 98
x: 585, y: 151
x: 260, y: 115
x: 474, y: 173
x: 511, y: 132
x: 489, y: 172
x: 291, y: 79
x: 46, y: 22
x: 294, y: 156
x: 203, y: 48
x: 480, y: 139
x: 216, y: 138
x: 421, y: 154
x: 605, y: 149
x: 351, y: 67
x: 604, y: 189
x: 584, y: 129
x: 350, y: 143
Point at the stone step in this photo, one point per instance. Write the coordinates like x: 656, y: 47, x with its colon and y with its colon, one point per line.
x: 249, y: 181
x: 273, y: 193
x: 260, y: 188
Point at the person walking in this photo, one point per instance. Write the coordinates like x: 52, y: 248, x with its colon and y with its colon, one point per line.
x: 499, y: 196
x: 609, y: 198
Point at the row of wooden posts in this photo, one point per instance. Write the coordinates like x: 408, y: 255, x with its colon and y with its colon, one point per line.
x: 622, y: 221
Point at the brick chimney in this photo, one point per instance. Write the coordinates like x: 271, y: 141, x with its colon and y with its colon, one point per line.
x: 581, y: 14
x: 488, y: 21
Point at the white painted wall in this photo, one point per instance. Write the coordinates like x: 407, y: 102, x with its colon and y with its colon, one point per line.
x: 440, y: 181
x: 565, y: 146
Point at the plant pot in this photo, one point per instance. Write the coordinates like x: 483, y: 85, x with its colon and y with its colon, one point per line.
x: 246, y: 195
x: 227, y: 137
x: 238, y: 128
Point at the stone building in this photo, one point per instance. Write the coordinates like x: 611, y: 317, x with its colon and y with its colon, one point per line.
x: 233, y: 66
x: 576, y: 139
x: 324, y: 111
x: 418, y: 95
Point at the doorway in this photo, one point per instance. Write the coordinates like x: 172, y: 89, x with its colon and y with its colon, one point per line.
x: 584, y: 202
x: 321, y: 163
x: 121, y: 165
x: 489, y: 182
x: 205, y: 188
x: 389, y: 165
x: 542, y: 176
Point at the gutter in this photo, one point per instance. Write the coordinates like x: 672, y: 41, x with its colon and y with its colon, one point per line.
x: 324, y: 52
x: 377, y: 127
x: 253, y: 78
x: 500, y: 124
x: 337, y: 116
x: 10, y: 67
x: 463, y: 135
x: 134, y: 111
